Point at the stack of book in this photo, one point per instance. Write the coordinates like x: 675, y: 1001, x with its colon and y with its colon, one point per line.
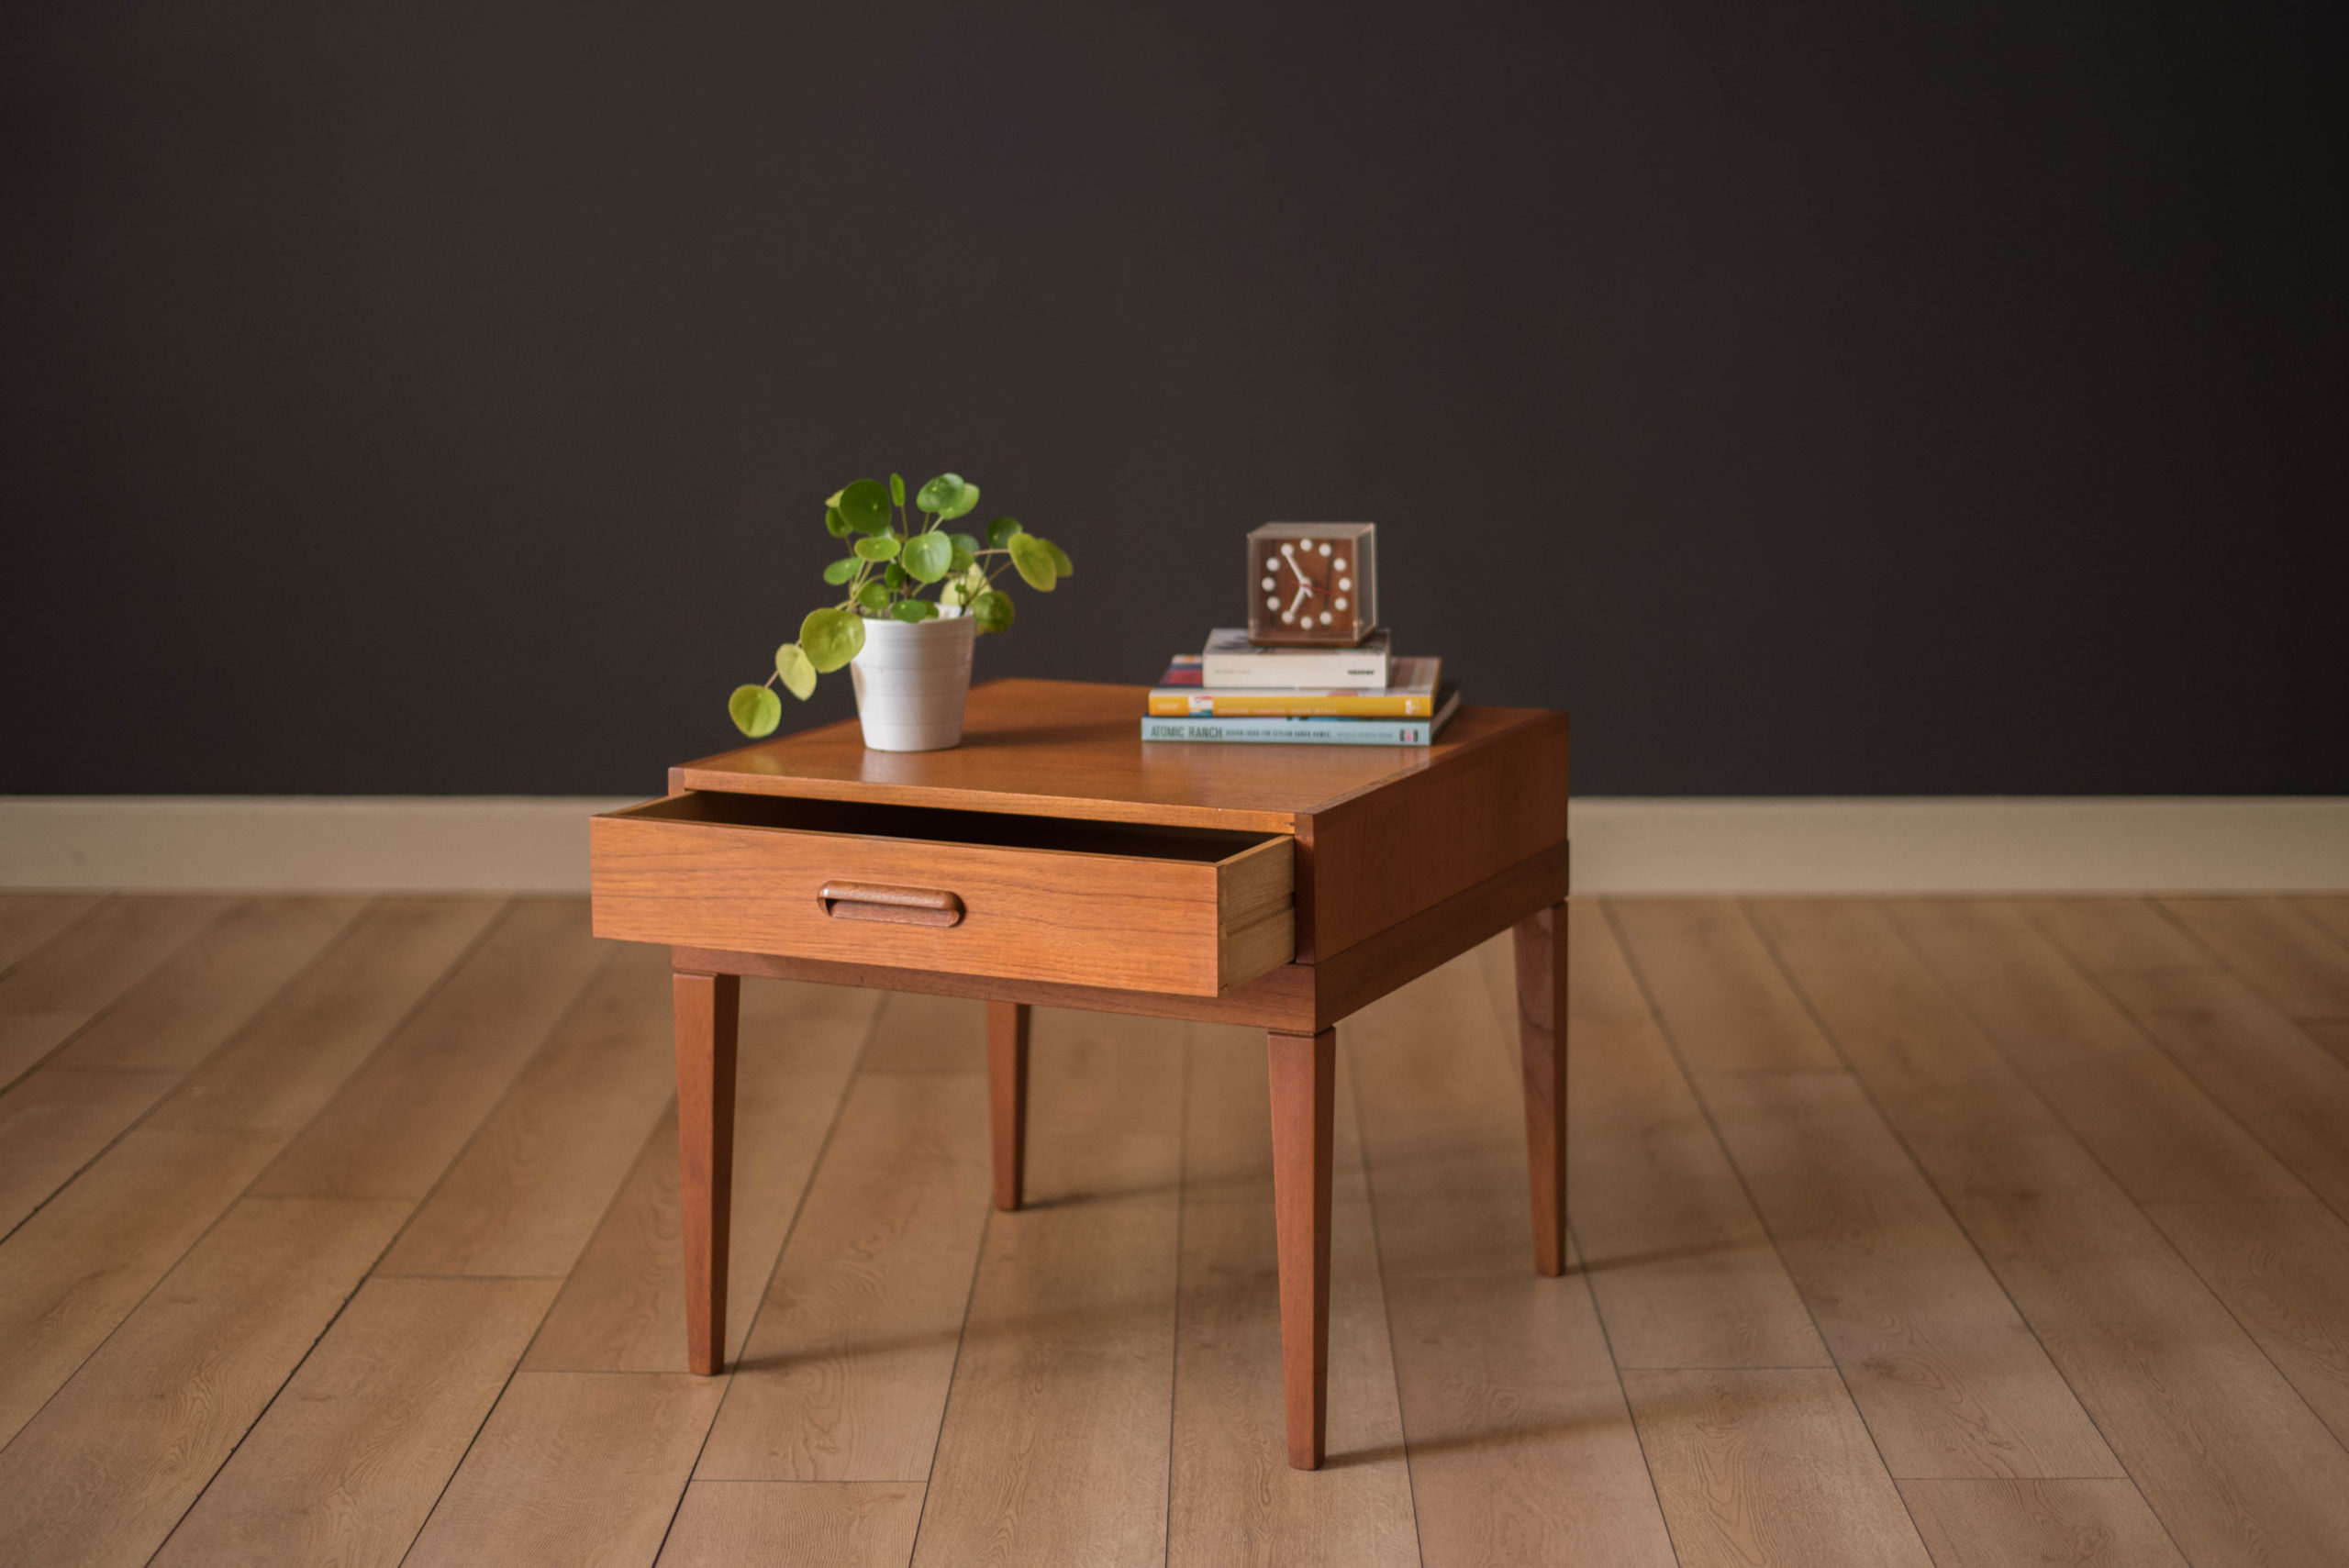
x: 1316, y: 696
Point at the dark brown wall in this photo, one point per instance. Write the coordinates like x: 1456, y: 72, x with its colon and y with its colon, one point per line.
x: 1814, y: 398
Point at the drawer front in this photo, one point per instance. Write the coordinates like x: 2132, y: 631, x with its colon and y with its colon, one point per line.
x: 1192, y: 928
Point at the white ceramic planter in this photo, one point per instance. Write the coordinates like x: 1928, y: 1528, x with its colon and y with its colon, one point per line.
x: 910, y: 682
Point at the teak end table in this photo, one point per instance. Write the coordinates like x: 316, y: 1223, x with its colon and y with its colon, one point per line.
x: 1056, y: 858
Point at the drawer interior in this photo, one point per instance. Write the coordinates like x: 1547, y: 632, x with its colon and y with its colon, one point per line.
x: 1138, y: 840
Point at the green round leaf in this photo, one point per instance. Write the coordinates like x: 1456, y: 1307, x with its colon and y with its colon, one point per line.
x: 1060, y: 559
x: 896, y: 576
x: 961, y: 561
x: 896, y: 489
x: 929, y: 557
x: 965, y: 541
x: 1033, y: 559
x: 992, y: 610
x: 873, y: 596
x: 836, y: 525
x: 882, y: 549
x: 865, y: 506
x: 831, y: 639
x: 799, y: 673
x: 940, y: 492
x: 755, y: 711
x: 914, y: 610
x: 841, y: 571
x: 962, y: 503
x: 999, y: 532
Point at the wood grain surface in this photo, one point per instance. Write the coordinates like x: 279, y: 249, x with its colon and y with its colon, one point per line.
x: 112, y: 1462
x: 56, y: 1121
x: 528, y: 1190
x: 841, y: 1524
x: 2286, y: 1089
x: 29, y: 921
x: 89, y: 966
x: 2162, y: 1138
x: 2283, y: 1270
x: 1682, y: 1268
x: 1724, y: 1004
x: 1074, y: 748
x: 398, y: 1123
x: 1522, y: 1451
x: 213, y: 985
x: 353, y: 1453
x: 1304, y: 1072
x: 70, y: 1274
x: 845, y: 1373
x: 1994, y: 1524
x: 289, y: 1061
x: 2106, y: 934
x: 2025, y: 1093
x: 2231, y: 1460
x: 1056, y: 1445
x: 1769, y: 1465
x: 2277, y: 944
x: 1232, y: 1496
x: 574, y: 1467
x: 1141, y: 919
x: 1949, y: 1378
x: 622, y: 1308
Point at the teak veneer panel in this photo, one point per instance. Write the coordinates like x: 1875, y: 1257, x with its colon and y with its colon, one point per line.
x: 1074, y: 748
x: 1146, y: 912
x: 1494, y: 797
x: 1296, y: 998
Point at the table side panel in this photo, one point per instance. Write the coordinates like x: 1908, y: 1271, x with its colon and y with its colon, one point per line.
x: 1281, y: 999
x: 1084, y: 919
x: 1390, y: 852
x: 1296, y: 998
x: 1074, y: 750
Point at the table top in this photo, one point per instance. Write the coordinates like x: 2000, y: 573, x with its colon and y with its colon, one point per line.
x: 1074, y: 748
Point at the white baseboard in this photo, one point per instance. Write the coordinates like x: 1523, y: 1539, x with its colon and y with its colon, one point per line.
x: 298, y: 844
x: 540, y: 844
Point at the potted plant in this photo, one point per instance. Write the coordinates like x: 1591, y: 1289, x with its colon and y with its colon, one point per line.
x: 909, y: 656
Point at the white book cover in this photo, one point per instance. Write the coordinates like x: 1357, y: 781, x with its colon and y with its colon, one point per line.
x: 1232, y: 661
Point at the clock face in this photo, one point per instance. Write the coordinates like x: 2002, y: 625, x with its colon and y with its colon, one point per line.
x: 1305, y: 589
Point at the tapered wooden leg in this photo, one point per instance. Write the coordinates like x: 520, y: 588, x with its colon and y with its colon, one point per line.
x: 1541, y: 1034
x: 707, y: 1006
x: 1007, y: 1097
x: 1304, y: 1080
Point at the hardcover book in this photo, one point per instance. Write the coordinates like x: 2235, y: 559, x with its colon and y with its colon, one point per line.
x: 1232, y: 660
x: 1182, y: 692
x: 1309, y: 731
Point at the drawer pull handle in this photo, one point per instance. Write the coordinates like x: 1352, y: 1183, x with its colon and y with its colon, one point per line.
x: 893, y: 906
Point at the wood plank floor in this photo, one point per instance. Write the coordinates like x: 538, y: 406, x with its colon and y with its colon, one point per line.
x: 1930, y: 1232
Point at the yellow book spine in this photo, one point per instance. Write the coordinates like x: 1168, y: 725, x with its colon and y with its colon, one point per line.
x: 1180, y: 704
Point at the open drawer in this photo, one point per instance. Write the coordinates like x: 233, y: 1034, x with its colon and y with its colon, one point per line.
x: 1188, y: 910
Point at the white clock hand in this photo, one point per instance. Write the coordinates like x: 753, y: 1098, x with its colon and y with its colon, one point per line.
x: 1303, y: 588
